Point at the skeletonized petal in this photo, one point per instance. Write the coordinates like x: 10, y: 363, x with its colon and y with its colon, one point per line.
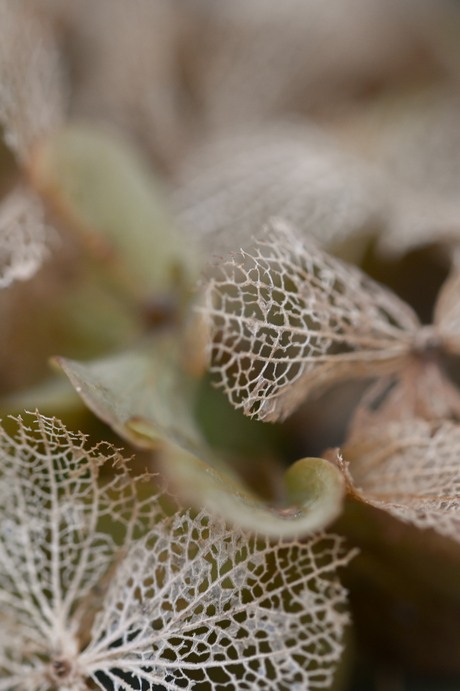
x: 97, y: 583
x: 414, y: 138
x: 198, y: 605
x: 24, y: 237
x: 127, y: 55
x: 234, y: 184
x: 61, y: 533
x: 288, y: 318
x: 260, y: 58
x: 447, y: 312
x: 411, y: 469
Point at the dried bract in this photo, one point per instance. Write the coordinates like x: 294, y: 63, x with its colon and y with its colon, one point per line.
x: 86, y: 599
x: 411, y: 469
x: 288, y: 319
x: 24, y: 237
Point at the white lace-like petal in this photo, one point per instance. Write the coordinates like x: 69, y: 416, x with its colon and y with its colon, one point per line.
x: 97, y: 584
x: 201, y: 605
x: 411, y: 470
x: 288, y: 318
x: 24, y: 237
x: 231, y: 186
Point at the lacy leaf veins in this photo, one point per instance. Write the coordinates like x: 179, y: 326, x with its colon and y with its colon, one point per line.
x: 410, y: 469
x: 32, y: 104
x: 99, y: 588
x: 288, y: 319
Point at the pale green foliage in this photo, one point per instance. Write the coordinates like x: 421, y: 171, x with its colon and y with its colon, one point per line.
x: 148, y: 399
x: 113, y: 199
x: 189, y: 604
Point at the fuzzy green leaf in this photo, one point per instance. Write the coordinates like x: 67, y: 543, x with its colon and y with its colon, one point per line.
x: 105, y: 189
x: 147, y: 399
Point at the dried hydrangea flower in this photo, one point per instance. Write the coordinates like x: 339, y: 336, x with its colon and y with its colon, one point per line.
x: 32, y: 104
x: 87, y: 599
x: 414, y: 139
x: 127, y: 60
x: 233, y: 184
x: 24, y: 236
x: 288, y: 319
x: 410, y: 469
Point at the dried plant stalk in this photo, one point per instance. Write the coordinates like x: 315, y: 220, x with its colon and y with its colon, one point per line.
x: 288, y: 319
x: 86, y: 599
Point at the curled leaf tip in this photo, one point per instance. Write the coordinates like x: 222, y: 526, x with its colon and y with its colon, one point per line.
x: 144, y: 396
